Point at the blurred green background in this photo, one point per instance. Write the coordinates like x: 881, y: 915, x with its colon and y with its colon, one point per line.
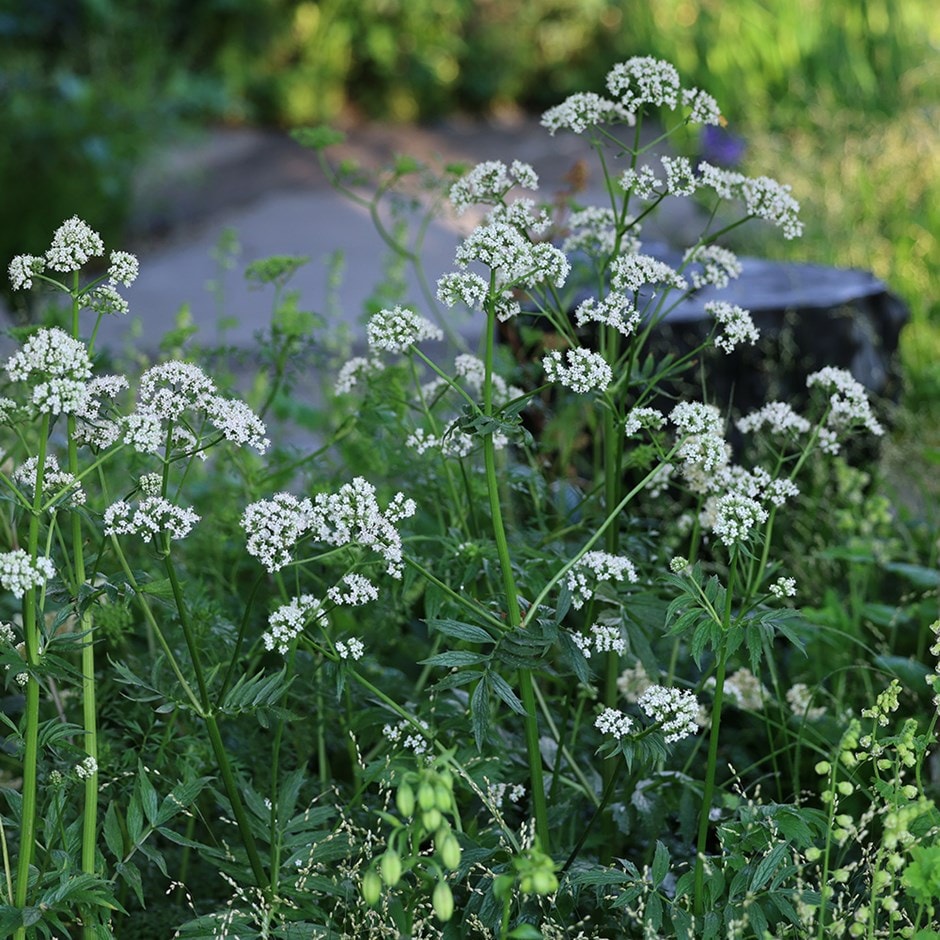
x: 837, y: 97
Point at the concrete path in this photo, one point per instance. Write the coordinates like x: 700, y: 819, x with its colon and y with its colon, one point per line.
x: 271, y: 192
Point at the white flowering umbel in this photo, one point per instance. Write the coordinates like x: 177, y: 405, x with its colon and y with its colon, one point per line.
x: 593, y: 568
x: 54, y: 480
x: 18, y: 574
x: 57, y: 368
x: 676, y: 710
x: 613, y: 722
x: 601, y: 638
x: 396, y: 330
x: 152, y: 516
x: 488, y: 183
x: 274, y: 526
x: 179, y: 395
x: 738, y: 325
x: 287, y: 622
x: 848, y: 404
x: 581, y: 370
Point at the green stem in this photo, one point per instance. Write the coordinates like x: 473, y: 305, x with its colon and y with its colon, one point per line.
x: 514, y: 614
x: 215, y: 737
x: 31, y: 716
x: 711, y: 766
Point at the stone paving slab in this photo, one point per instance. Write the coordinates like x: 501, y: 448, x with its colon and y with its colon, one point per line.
x: 272, y: 193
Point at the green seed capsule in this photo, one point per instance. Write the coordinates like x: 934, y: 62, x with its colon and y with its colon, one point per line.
x: 443, y: 901
x: 427, y: 799
x: 405, y: 800
x: 544, y: 881
x: 390, y: 867
x: 432, y: 819
x: 450, y: 852
x: 371, y: 887
x: 443, y: 798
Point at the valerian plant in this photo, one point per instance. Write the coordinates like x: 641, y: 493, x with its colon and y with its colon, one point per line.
x: 510, y: 651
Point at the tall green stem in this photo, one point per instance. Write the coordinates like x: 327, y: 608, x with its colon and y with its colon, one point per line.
x: 215, y: 737
x: 514, y: 614
x: 31, y: 716
x: 711, y: 767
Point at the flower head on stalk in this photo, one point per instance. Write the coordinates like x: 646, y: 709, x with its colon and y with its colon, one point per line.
x: 57, y: 368
x: 74, y: 243
x: 581, y: 370
x: 18, y: 573
x: 151, y: 516
x: 489, y: 182
x: 396, y: 330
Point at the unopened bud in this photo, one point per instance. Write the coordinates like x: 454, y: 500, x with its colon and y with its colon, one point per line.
x: 443, y: 901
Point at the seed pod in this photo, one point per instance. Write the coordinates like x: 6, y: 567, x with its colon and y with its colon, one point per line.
x: 443, y: 798
x: 427, y: 799
x: 405, y: 800
x: 450, y: 852
x: 371, y: 887
x: 390, y: 867
x: 443, y: 901
x: 432, y: 819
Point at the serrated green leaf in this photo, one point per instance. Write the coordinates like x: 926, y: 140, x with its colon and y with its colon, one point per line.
x: 455, y: 658
x: 130, y: 874
x: 768, y: 865
x: 113, y: 837
x: 149, y: 800
x: 135, y: 820
x: 460, y: 631
x: 480, y: 712
x: 660, y: 867
x: 456, y: 679
x: 502, y: 688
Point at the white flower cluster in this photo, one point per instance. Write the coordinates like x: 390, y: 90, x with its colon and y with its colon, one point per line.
x: 848, y: 403
x: 763, y: 198
x: 462, y: 287
x: 351, y: 648
x: 633, y: 682
x: 404, y: 733
x: 744, y: 690
x: 287, y: 622
x: 593, y: 568
x: 719, y: 266
x: 18, y: 574
x: 123, y: 269
x: 642, y: 182
x: 452, y: 442
x: 615, y: 310
x: 153, y: 515
x: 22, y: 270
x: 582, y: 110
x: 54, y: 480
x: 57, y: 368
x: 643, y: 80
x: 472, y: 370
x: 783, y: 587
x: 639, y: 418
x: 353, y: 516
x: 680, y: 176
x: 7, y: 635
x: 353, y: 371
x: 105, y: 300
x: 631, y: 272
x: 584, y: 372
x: 92, y: 427
x: 778, y: 416
x: 703, y: 451
x: 675, y: 709
x: 614, y: 722
x: 489, y: 182
x: 602, y: 638
x: 353, y: 591
x: 274, y: 526
x: 800, y: 699
x: 594, y: 232
x: 514, y: 259
x: 350, y: 517
x: 396, y: 330
x: 168, y: 391
x: 86, y: 768
x: 73, y: 244
x: 738, y: 325
x: 496, y: 793
x: 522, y: 214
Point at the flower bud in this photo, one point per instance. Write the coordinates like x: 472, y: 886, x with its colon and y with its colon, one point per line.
x: 450, y: 852
x: 432, y: 819
x: 443, y: 901
x: 371, y: 887
x: 405, y: 800
x: 390, y: 867
x: 443, y: 798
